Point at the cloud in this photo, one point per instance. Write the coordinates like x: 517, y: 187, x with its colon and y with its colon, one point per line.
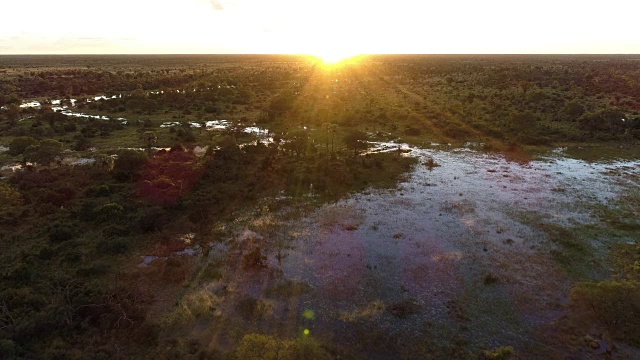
x: 216, y: 5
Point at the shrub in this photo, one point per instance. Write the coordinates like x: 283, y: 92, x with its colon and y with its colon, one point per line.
x: 8, y: 348
x: 45, y: 152
x: 9, y: 196
x: 490, y: 279
x: 99, y: 191
x: 113, y: 246
x: 573, y: 109
x: 128, y: 164
x: 614, y: 305
x: 501, y: 353
x: 61, y: 232
x: 258, y: 346
x: 109, y: 212
x: 455, y: 131
x: 413, y: 131
x: 20, y: 144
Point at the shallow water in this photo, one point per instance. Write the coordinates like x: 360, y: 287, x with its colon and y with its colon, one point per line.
x: 13, y: 167
x: 435, y: 240
x: 219, y: 125
x: 57, y: 105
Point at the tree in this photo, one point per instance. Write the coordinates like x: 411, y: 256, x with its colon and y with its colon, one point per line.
x: 280, y: 105
x: 9, y: 196
x: 356, y: 140
x: 169, y: 176
x: 523, y: 120
x: 82, y: 143
x: 20, y: 144
x: 45, y: 152
x: 298, y: 142
x: 603, y: 120
x: 104, y: 162
x: 128, y: 164
x: 139, y: 93
x: 13, y: 113
x: 150, y: 139
x: 333, y: 130
x: 573, y: 109
x: 52, y: 117
x: 330, y: 130
x: 325, y: 129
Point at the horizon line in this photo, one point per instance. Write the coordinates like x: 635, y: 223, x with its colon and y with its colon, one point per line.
x: 302, y: 54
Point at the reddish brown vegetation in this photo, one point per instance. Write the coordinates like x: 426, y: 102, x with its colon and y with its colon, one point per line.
x: 169, y: 176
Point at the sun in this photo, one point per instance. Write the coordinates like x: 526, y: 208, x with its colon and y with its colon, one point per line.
x: 333, y: 57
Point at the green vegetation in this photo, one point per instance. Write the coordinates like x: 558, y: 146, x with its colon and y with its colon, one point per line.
x: 256, y: 346
x: 614, y: 304
x: 72, y: 226
x: 522, y: 100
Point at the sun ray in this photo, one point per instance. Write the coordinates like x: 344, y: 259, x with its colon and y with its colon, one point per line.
x: 331, y: 57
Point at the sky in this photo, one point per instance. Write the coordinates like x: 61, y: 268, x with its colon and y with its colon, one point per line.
x: 318, y: 27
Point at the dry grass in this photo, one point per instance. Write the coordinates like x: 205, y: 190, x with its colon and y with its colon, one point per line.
x: 371, y: 311
x: 195, y: 305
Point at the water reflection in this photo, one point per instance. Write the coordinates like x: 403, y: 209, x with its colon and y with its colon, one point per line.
x: 57, y: 105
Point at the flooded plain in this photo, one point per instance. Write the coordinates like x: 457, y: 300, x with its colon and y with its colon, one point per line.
x: 470, y: 251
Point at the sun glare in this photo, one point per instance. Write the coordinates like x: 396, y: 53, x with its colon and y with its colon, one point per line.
x: 333, y: 57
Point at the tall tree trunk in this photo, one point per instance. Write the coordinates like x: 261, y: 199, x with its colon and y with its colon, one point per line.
x: 327, y: 143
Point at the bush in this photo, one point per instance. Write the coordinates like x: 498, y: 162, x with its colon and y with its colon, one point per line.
x: 151, y: 219
x: 121, y: 229
x: 82, y: 143
x: 20, y: 144
x: 45, y: 152
x: 128, y: 164
x: 413, y: 131
x: 258, y: 346
x: 61, y: 232
x: 8, y: 349
x: 455, y: 131
x: 501, y: 353
x: 109, y: 212
x: 356, y: 140
x: 9, y: 196
x: 614, y: 305
x: 113, y: 246
x: 99, y: 191
x: 573, y: 109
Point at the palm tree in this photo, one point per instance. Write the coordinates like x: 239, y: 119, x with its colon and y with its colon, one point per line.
x: 104, y: 162
x: 326, y: 128
x: 333, y: 129
x: 150, y: 139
